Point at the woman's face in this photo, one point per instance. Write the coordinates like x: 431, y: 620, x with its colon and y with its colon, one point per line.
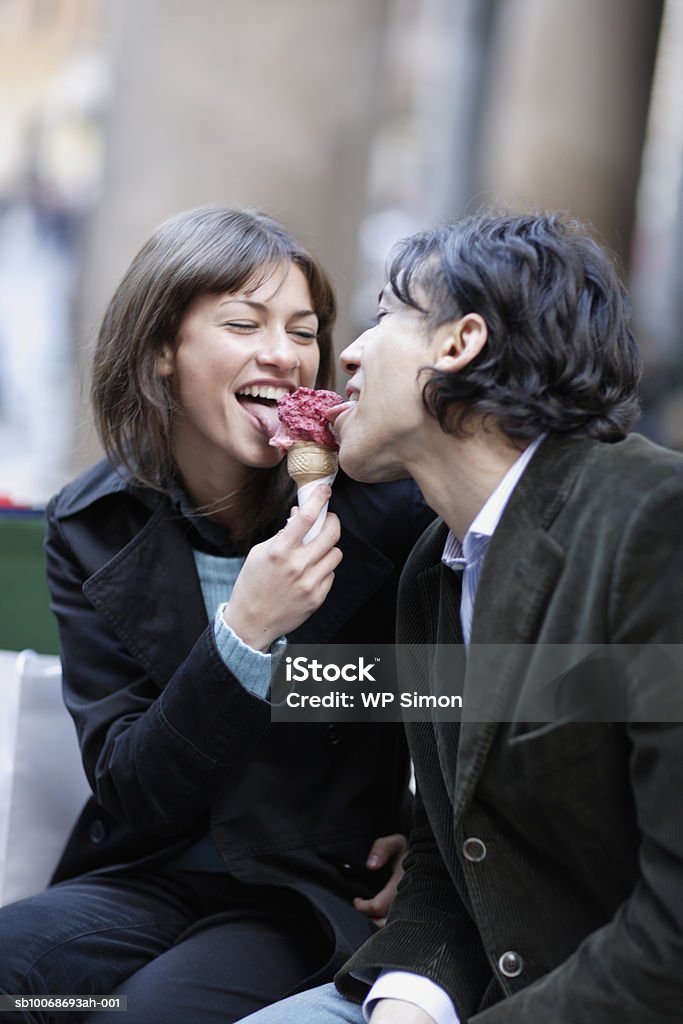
x: 235, y: 354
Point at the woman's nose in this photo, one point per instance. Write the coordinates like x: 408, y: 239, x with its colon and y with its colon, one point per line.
x: 278, y: 350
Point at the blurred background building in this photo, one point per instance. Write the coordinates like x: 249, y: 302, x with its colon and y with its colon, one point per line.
x: 354, y: 122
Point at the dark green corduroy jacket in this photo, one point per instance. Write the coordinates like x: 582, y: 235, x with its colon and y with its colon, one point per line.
x: 569, y: 909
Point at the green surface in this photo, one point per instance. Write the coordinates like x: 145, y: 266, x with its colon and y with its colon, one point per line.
x: 25, y: 616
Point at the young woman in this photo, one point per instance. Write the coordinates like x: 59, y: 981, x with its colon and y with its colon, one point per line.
x: 222, y: 861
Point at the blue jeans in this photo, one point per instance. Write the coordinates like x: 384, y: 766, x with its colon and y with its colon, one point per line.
x: 323, y: 1005
x: 182, y: 946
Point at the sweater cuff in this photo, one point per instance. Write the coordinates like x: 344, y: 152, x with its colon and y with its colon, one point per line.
x: 250, y: 668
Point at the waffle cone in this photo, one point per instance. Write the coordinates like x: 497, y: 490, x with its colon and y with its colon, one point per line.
x: 308, y: 461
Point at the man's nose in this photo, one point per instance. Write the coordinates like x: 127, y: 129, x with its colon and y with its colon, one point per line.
x: 349, y: 359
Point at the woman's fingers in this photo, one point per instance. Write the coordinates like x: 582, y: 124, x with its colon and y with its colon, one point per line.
x: 298, y: 525
x: 283, y: 580
x: 324, y: 573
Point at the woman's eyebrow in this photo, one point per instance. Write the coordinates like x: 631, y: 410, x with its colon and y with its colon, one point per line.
x: 244, y: 302
x: 261, y: 307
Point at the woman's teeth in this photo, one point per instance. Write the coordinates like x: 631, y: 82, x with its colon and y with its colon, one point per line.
x: 262, y: 391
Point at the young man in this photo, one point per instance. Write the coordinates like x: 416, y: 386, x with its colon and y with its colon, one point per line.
x: 544, y: 880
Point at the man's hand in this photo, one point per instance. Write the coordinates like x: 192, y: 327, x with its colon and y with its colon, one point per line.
x: 385, y: 850
x: 397, y: 1011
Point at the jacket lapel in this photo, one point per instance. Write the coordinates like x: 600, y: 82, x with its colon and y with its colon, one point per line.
x: 519, y: 575
x: 438, y: 591
x: 449, y: 668
x: 497, y: 657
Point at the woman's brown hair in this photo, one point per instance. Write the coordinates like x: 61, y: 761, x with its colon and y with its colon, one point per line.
x: 206, y: 250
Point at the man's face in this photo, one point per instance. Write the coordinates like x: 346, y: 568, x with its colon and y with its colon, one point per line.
x: 381, y: 432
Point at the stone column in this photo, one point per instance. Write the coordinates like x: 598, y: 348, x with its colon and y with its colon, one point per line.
x: 569, y: 100
x: 266, y: 104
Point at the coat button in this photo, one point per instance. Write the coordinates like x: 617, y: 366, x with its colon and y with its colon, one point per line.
x: 97, y: 831
x: 510, y: 964
x: 474, y: 849
x: 332, y: 735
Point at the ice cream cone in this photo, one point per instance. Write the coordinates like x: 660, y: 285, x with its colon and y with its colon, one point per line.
x: 308, y: 461
x: 308, y: 464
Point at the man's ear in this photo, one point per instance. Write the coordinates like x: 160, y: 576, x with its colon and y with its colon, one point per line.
x: 459, y: 342
x: 165, y: 362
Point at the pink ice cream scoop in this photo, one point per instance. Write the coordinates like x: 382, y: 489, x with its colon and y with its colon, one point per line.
x: 302, y: 418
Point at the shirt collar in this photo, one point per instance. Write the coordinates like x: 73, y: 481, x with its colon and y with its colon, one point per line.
x: 474, y: 544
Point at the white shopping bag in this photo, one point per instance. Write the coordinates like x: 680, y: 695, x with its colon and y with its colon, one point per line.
x: 42, y: 782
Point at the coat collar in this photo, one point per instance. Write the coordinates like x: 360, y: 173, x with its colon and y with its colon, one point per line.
x: 521, y: 568
x: 100, y: 481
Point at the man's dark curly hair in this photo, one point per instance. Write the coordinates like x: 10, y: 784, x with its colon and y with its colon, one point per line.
x: 560, y: 356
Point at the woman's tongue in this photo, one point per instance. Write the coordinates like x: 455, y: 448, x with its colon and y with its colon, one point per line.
x: 265, y: 414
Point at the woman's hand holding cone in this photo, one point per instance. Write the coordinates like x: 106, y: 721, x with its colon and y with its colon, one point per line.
x: 283, y: 581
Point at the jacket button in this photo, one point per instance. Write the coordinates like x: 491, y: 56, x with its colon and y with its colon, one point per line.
x: 510, y: 964
x: 474, y: 849
x: 332, y: 735
x: 97, y: 831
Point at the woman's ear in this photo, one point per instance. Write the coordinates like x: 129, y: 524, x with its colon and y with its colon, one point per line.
x: 165, y: 362
x: 459, y: 342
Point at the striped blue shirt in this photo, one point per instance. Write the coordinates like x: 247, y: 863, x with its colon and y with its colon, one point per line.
x: 468, y: 557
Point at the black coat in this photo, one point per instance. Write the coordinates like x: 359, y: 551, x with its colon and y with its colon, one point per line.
x: 173, y: 745
x: 545, y: 873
